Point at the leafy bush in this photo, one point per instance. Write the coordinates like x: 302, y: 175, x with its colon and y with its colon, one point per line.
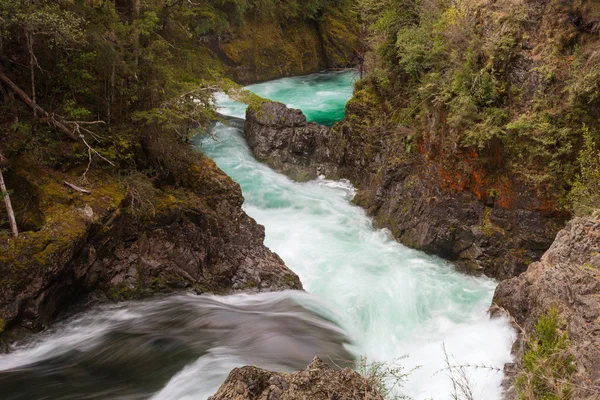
x: 547, y: 364
x: 492, y: 80
x: 585, y: 193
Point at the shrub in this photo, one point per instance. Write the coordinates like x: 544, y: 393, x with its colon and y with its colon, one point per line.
x: 547, y: 364
x: 585, y: 193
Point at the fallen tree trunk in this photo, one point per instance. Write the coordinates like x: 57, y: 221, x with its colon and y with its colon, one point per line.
x: 37, y: 109
x: 77, y: 188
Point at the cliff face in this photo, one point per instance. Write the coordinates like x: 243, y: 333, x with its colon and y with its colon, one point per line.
x: 463, y: 137
x: 568, y: 278
x: 316, y: 382
x: 404, y: 191
x: 265, y: 49
x: 131, y: 238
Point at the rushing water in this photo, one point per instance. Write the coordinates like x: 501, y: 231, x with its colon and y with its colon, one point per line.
x: 393, y: 301
x: 367, y: 296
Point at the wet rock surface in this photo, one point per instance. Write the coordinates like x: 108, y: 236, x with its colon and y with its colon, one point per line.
x: 568, y: 278
x: 195, y: 237
x: 405, y: 191
x: 285, y: 140
x: 316, y: 382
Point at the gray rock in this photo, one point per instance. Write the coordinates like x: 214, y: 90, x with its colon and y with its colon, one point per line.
x: 567, y: 277
x: 316, y: 382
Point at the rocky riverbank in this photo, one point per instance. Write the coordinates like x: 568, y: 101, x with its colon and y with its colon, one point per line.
x: 405, y: 191
x: 567, y: 278
x: 131, y: 238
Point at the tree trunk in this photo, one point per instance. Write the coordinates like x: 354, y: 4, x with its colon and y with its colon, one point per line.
x: 11, y: 85
x: 32, y: 71
x: 136, y: 7
x: 9, y: 209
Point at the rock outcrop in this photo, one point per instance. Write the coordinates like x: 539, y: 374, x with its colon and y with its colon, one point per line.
x: 130, y: 239
x: 568, y: 278
x: 406, y: 190
x: 281, y: 137
x: 316, y: 382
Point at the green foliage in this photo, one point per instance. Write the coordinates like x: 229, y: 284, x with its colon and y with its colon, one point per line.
x: 109, y: 61
x: 585, y: 192
x: 456, y: 69
x: 44, y: 18
x: 547, y: 364
x: 384, y: 377
x: 2, y: 325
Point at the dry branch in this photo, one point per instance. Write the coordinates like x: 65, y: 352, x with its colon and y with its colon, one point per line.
x: 51, y: 118
x: 77, y: 188
x: 75, y: 132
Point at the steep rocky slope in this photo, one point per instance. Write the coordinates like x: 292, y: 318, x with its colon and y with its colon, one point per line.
x: 130, y: 238
x: 463, y: 137
x: 404, y: 191
x: 568, y: 278
x: 265, y: 49
x: 316, y: 382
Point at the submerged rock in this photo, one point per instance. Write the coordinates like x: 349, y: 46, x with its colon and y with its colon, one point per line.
x: 316, y: 382
x: 568, y: 278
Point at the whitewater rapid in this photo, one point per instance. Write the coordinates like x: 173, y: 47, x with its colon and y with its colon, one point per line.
x: 367, y: 296
x: 393, y: 301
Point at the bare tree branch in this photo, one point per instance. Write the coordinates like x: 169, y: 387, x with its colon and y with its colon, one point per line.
x: 77, y: 188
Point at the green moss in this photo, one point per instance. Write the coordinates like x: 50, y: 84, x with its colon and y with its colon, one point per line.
x: 267, y: 50
x: 250, y: 285
x: 487, y: 227
x: 2, y: 325
x: 123, y: 292
x: 64, y: 224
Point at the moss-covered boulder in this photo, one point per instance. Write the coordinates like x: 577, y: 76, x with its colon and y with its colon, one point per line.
x: 131, y: 237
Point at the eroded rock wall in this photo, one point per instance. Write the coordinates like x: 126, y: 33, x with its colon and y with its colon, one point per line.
x: 568, y: 278
x: 129, y: 239
x: 405, y: 191
x: 265, y: 49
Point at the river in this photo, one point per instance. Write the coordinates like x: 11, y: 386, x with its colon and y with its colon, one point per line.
x: 368, y: 296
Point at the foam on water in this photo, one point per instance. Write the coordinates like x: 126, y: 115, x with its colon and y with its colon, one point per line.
x: 367, y: 296
x: 394, y: 301
x: 322, y: 97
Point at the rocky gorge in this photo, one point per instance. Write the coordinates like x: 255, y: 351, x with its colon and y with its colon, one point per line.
x: 468, y: 155
x: 404, y: 191
x: 133, y: 235
x: 566, y: 277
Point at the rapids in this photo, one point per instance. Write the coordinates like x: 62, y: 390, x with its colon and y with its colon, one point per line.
x: 368, y: 296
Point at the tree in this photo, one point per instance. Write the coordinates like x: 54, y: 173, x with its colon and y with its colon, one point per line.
x: 585, y: 193
x: 6, y: 196
x: 58, y: 27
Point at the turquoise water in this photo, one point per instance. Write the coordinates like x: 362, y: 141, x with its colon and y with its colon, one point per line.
x: 322, y: 97
x: 363, y: 288
x: 392, y: 301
